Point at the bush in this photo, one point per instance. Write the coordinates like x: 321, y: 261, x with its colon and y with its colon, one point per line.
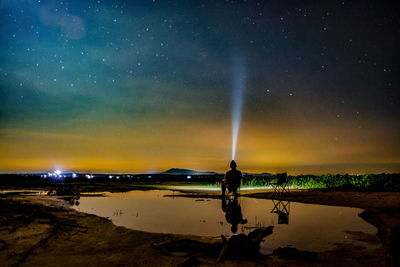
x: 369, y: 182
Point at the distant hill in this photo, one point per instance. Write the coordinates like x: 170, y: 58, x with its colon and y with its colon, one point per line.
x: 176, y: 171
x: 262, y: 174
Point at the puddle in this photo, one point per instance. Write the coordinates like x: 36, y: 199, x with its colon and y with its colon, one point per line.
x: 303, y: 226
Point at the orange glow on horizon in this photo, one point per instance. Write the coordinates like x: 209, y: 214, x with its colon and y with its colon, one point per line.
x: 196, y: 147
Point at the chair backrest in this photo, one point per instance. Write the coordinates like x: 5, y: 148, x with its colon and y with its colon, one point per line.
x: 282, y: 178
x: 283, y: 218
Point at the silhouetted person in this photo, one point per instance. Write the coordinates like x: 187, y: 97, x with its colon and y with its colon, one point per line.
x: 232, y: 179
x: 233, y: 213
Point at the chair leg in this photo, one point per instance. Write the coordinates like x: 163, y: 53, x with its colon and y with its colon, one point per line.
x: 286, y: 207
x: 276, y: 193
x: 279, y: 190
x: 275, y: 206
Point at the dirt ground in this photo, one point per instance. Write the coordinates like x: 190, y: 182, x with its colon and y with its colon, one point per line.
x: 44, y: 230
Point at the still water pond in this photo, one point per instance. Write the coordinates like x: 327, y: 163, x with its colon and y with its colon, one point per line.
x: 304, y: 226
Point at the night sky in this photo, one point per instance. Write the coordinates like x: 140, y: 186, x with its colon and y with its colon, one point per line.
x: 141, y: 86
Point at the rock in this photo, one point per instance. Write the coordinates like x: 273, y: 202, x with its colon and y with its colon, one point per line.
x: 240, y: 247
x: 243, y: 246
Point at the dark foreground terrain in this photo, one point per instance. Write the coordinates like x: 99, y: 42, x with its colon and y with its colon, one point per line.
x: 44, y: 230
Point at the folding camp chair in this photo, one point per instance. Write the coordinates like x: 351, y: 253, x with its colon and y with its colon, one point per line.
x: 280, y: 187
x: 282, y: 208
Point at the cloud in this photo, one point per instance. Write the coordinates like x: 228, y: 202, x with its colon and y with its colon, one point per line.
x: 72, y: 26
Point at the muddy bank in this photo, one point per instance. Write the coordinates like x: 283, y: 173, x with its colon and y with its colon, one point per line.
x: 42, y: 230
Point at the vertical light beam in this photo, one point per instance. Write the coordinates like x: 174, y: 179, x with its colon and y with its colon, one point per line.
x: 238, y: 86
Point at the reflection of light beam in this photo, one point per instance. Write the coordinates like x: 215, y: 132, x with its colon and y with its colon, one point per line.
x: 238, y: 86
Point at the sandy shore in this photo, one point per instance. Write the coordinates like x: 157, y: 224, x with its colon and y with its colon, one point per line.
x: 43, y: 230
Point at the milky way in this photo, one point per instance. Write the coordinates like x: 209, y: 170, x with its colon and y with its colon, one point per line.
x: 147, y: 85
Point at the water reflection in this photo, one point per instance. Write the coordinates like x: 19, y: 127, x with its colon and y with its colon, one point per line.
x: 240, y: 245
x: 233, y: 212
x: 282, y: 208
x: 156, y: 211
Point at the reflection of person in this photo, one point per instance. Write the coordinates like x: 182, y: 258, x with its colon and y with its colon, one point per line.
x: 233, y: 213
x: 232, y: 179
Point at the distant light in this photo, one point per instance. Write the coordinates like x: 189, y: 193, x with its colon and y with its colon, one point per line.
x: 149, y: 176
x: 110, y: 177
x: 117, y: 177
x: 73, y: 175
x: 58, y: 172
x: 189, y: 177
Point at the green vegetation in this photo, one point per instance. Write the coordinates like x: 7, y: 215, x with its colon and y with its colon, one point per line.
x: 370, y: 182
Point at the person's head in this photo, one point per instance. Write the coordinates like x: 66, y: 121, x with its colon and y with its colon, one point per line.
x: 233, y: 165
x: 234, y: 228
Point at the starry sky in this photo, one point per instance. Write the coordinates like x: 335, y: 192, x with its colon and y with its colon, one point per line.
x: 142, y: 86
